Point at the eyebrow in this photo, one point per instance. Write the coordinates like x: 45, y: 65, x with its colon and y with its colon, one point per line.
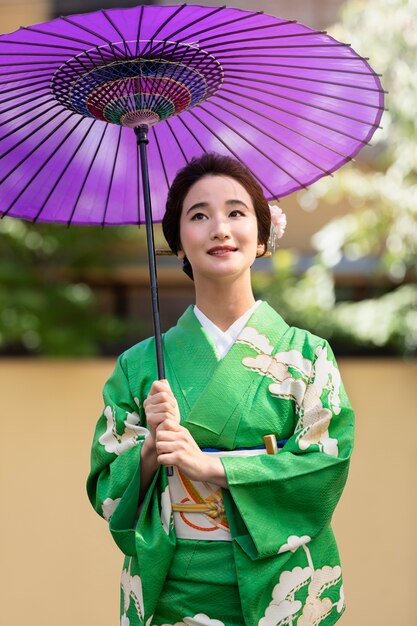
x: 204, y: 205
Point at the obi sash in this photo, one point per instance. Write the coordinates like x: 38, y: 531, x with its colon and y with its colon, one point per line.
x: 198, y: 507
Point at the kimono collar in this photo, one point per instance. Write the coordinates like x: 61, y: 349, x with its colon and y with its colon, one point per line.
x: 223, y: 340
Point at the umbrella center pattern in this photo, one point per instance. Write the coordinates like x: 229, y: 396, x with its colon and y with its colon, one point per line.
x: 114, y: 86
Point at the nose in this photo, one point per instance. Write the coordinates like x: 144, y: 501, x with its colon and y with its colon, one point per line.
x: 220, y: 228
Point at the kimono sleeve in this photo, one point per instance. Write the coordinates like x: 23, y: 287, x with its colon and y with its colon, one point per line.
x: 293, y: 494
x: 114, y: 479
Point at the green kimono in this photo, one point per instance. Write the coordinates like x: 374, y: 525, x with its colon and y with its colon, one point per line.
x: 282, y: 565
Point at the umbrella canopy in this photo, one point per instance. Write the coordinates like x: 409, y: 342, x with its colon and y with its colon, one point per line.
x: 291, y: 103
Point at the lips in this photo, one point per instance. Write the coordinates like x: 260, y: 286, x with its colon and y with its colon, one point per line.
x: 219, y: 250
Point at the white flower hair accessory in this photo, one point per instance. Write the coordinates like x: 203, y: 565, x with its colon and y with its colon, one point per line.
x: 278, y: 225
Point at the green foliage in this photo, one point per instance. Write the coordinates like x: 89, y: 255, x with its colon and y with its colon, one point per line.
x: 308, y: 301
x: 42, y: 309
x: 379, y: 193
x: 383, y: 217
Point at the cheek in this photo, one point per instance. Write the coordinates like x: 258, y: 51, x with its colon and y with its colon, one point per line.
x: 187, y: 236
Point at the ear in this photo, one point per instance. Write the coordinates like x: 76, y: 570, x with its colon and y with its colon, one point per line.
x: 180, y: 255
x: 260, y: 249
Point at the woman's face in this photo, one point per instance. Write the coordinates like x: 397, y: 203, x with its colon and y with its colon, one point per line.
x: 218, y: 229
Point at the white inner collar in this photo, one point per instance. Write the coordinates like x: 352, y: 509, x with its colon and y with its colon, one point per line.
x: 224, y: 340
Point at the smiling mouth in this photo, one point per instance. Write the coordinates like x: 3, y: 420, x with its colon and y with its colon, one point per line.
x: 221, y: 250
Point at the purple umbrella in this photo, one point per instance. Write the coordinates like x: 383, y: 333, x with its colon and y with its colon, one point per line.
x: 290, y: 102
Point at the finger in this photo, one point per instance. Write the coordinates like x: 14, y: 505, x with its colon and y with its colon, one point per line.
x: 170, y: 424
x: 160, y: 409
x: 166, y: 447
x: 163, y: 435
x: 156, y: 419
x: 159, y: 386
x: 167, y: 459
x: 161, y: 397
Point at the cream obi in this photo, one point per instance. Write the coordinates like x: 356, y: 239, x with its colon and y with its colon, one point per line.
x: 198, y: 507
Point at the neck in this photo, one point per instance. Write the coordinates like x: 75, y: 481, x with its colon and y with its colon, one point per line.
x: 223, y: 303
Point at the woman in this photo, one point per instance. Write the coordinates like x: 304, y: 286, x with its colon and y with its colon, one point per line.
x: 236, y: 536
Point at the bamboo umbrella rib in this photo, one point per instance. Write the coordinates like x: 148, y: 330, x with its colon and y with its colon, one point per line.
x: 175, y: 85
x: 60, y: 36
x: 113, y: 25
x: 25, y: 79
x: 303, y: 102
x: 29, y: 121
x: 196, y: 139
x: 68, y: 19
x: 267, y: 156
x: 58, y: 55
x: 19, y: 143
x: 313, y: 80
x: 29, y: 102
x: 315, y: 93
x: 160, y: 156
x: 111, y: 177
x: 233, y: 42
x: 138, y: 37
x: 29, y: 155
x: 74, y: 208
x: 186, y: 159
x: 161, y: 26
x: 247, y: 30
x: 215, y: 27
x: 111, y: 45
x: 148, y: 99
x: 286, y: 47
x: 296, y: 67
x: 30, y: 70
x: 171, y: 90
x: 198, y: 19
x: 297, y: 115
x: 62, y: 171
x: 262, y: 183
x: 42, y: 166
x: 276, y: 140
x: 45, y: 83
x: 312, y: 57
x: 50, y: 63
x: 37, y: 43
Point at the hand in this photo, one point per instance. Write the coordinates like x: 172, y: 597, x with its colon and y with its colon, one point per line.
x: 159, y: 406
x: 176, y: 446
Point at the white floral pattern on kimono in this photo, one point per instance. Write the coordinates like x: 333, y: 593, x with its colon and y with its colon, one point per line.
x: 132, y: 590
x: 117, y: 443
x: 166, y: 510
x: 305, y: 389
x: 284, y: 608
x: 108, y: 507
x: 201, y: 619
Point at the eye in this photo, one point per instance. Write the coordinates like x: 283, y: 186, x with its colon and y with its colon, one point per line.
x: 198, y: 216
x: 236, y: 213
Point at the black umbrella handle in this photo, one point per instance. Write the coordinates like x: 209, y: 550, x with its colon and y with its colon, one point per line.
x: 142, y: 140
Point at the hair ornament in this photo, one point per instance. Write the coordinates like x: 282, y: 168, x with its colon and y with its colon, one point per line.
x: 278, y: 225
